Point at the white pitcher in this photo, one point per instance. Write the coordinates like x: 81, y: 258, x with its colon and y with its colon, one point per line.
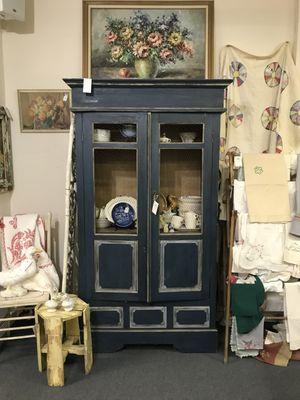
x: 191, y: 220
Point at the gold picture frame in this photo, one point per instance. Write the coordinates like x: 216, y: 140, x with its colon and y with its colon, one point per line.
x: 44, y: 110
x: 182, y: 44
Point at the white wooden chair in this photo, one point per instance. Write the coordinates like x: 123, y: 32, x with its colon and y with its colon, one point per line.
x: 11, y: 309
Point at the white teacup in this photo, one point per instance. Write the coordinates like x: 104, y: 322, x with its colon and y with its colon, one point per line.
x: 191, y: 220
x: 102, y: 135
x: 188, y: 137
x: 177, y: 222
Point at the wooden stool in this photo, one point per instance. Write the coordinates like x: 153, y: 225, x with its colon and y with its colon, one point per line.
x: 52, y: 350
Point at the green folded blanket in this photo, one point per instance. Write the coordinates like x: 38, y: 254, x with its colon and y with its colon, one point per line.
x: 246, y: 300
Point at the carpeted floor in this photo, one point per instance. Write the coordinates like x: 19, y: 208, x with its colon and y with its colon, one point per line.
x: 144, y: 373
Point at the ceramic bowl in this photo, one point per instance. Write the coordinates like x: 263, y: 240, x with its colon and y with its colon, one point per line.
x: 51, y: 305
x: 68, y: 304
x: 102, y: 135
x: 128, y: 131
x: 188, y: 137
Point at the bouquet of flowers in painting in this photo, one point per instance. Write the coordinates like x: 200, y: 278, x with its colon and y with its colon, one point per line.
x: 147, y: 43
x: 44, y: 110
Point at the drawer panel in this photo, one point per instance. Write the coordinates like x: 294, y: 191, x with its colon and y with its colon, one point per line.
x: 191, y: 317
x: 107, y: 317
x: 148, y: 317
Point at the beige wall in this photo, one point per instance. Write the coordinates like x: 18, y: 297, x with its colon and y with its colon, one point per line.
x: 254, y: 26
x: 47, y: 47
x: 37, y: 55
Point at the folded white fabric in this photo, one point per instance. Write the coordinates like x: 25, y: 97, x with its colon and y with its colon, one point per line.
x: 258, y: 249
x: 291, y: 248
x: 247, y: 344
x: 292, y: 314
x: 273, y: 286
x: 239, y: 197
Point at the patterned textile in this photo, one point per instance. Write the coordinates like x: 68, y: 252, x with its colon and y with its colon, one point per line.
x: 71, y: 205
x: 247, y: 344
x: 6, y: 169
x: 20, y: 232
x: 263, y: 102
x: 277, y: 354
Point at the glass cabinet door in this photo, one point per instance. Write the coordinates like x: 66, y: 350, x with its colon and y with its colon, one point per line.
x: 116, y: 209
x: 178, y: 178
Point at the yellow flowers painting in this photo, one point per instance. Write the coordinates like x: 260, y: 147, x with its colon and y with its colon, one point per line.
x: 44, y: 111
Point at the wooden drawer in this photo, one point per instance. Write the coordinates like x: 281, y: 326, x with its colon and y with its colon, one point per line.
x: 107, y: 317
x: 191, y: 317
x: 148, y: 317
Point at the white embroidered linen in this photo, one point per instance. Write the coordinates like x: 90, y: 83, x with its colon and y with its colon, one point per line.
x: 292, y: 314
x: 259, y: 250
x: 266, y: 188
x: 18, y: 234
x: 247, y: 344
x: 292, y: 248
x: 263, y: 102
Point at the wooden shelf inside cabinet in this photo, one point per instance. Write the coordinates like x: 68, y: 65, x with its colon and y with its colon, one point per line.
x: 185, y: 232
x: 184, y: 146
x: 112, y: 230
x: 115, y: 145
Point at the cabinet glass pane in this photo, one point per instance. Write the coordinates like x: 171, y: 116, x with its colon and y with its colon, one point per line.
x: 105, y: 133
x: 181, y: 133
x: 115, y: 174
x: 180, y: 197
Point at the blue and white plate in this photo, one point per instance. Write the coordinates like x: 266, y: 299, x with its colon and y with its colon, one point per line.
x: 123, y: 215
x: 120, y: 199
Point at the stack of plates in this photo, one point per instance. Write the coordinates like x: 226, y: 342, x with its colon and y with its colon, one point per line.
x: 190, y: 203
x: 121, y: 211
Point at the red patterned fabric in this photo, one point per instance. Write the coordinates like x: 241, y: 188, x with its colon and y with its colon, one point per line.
x: 17, y: 234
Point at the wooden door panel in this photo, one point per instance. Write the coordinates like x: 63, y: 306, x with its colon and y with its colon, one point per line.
x: 180, y: 266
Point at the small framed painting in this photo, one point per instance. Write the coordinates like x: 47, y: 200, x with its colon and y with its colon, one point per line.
x: 44, y: 110
x: 148, y: 39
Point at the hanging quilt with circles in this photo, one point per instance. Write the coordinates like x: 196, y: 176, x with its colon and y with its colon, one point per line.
x: 263, y: 101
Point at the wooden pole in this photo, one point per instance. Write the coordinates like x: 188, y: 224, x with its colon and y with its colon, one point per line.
x: 228, y: 289
x: 67, y: 207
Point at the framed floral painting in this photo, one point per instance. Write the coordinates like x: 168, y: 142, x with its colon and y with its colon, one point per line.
x: 148, y: 39
x: 44, y: 110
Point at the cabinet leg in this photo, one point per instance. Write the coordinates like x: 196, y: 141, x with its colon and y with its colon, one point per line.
x: 88, y: 357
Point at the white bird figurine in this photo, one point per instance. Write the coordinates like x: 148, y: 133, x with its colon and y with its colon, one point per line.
x: 13, y: 278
